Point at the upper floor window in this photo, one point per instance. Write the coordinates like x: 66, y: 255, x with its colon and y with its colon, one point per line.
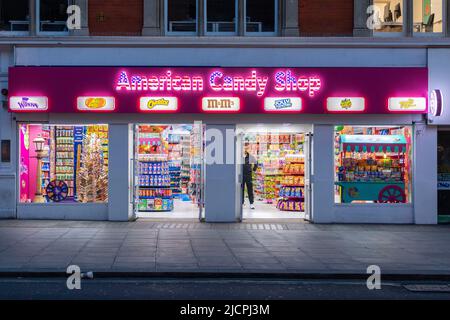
x: 221, y: 16
x: 428, y: 16
x: 389, y: 16
x: 260, y: 16
x: 14, y: 16
x: 181, y: 16
x: 52, y: 15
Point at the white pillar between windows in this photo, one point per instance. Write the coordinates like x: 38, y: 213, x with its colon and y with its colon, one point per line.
x: 290, y: 25
x: 119, y: 197
x: 33, y: 18
x: 424, y: 174
x: 84, y: 31
x: 360, y: 17
x: 323, y: 174
x: 152, y: 22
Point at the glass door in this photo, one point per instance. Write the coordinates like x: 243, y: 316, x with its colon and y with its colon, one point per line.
x: 197, y: 166
x: 134, y: 198
x: 239, y: 175
x: 308, y: 171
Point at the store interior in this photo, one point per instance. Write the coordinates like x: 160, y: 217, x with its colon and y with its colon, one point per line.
x: 63, y: 163
x: 278, y: 170
x: 373, y: 164
x: 168, y: 177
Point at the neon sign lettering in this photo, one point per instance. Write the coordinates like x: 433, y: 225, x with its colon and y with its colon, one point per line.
x: 286, y: 81
x: 167, y: 82
x: 218, y: 82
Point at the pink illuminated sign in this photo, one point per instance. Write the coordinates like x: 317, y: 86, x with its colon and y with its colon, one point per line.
x: 252, y: 90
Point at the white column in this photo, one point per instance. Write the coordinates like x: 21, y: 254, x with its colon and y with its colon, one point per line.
x: 424, y: 174
x: 290, y: 19
x: 220, y: 179
x: 119, y: 206
x: 84, y: 31
x: 360, y: 17
x: 323, y: 174
x: 152, y: 22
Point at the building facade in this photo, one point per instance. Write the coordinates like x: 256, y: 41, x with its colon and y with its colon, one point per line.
x: 357, y: 88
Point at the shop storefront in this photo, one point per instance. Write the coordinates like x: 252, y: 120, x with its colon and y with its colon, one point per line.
x: 325, y: 144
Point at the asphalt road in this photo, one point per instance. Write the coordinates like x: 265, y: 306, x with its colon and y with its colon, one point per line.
x: 208, y: 289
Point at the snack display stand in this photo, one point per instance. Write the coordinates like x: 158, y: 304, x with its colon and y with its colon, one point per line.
x: 372, y: 168
x: 155, y: 193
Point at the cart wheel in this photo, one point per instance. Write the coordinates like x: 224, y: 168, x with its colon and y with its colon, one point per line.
x: 391, y: 194
x: 57, y: 190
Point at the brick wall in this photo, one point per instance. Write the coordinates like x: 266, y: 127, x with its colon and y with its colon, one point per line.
x: 326, y: 17
x: 115, y: 17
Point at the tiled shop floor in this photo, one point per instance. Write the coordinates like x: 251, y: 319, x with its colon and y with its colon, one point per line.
x: 189, y: 246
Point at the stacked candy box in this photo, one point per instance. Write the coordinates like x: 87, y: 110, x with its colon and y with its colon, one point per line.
x: 290, y: 205
x: 296, y: 192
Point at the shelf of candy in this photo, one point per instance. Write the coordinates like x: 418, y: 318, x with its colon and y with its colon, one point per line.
x: 156, y: 204
x: 267, y: 187
x: 155, y: 193
x: 64, y: 156
x: 290, y: 205
x: 372, y: 169
x: 293, y: 181
x: 153, y: 168
x: 294, y: 168
x: 101, y: 131
x: 291, y: 192
x: 274, y: 138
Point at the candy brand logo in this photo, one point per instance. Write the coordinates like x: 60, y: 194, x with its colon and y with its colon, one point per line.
x: 346, y: 104
x: 95, y: 103
x: 220, y: 104
x: 283, y: 103
x: 27, y: 104
x: 407, y: 104
x: 157, y: 102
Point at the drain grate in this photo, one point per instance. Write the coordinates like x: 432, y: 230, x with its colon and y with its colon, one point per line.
x: 427, y: 287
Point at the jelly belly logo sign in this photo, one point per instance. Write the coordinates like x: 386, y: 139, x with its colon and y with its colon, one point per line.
x: 221, y: 104
x: 96, y: 103
x: 345, y: 104
x: 218, y: 81
x: 407, y: 104
x: 282, y: 104
x: 149, y: 104
x: 28, y: 103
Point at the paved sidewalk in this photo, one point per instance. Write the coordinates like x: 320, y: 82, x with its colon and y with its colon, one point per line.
x: 145, y: 246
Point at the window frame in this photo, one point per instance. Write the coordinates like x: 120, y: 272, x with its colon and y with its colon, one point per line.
x: 236, y: 21
x: 404, y: 25
x: 38, y: 22
x: 262, y: 34
x: 19, y: 33
x: 410, y: 196
x: 180, y: 33
x: 432, y: 34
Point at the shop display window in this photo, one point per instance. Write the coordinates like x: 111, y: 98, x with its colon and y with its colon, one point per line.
x: 63, y: 164
x: 388, y: 16
x: 182, y: 15
x: 260, y: 15
x: 14, y: 16
x: 52, y: 15
x: 428, y: 16
x: 373, y: 164
x: 221, y: 16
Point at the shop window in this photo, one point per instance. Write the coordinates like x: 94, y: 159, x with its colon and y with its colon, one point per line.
x: 63, y: 164
x: 443, y: 153
x: 428, y: 16
x: 14, y: 16
x: 52, y: 15
x: 221, y: 16
x: 373, y: 164
x: 181, y: 16
x: 260, y: 16
x: 388, y: 16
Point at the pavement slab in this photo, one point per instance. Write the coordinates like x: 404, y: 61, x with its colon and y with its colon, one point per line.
x: 260, y: 247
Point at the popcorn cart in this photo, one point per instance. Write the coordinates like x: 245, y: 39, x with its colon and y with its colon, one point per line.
x: 372, y: 168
